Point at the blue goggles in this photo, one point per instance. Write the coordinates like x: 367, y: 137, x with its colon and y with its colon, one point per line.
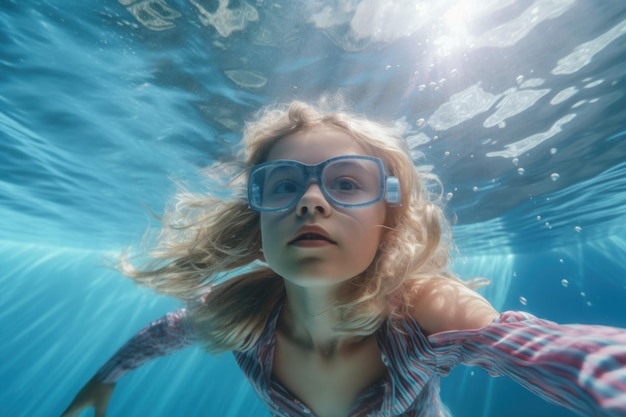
x: 346, y: 181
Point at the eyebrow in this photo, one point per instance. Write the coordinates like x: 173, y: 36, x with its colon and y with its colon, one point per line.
x: 280, y: 168
x: 362, y: 164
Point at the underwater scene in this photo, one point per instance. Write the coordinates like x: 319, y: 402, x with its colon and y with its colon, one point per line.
x: 519, y: 106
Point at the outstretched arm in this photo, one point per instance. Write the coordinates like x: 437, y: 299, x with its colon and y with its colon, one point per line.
x: 94, y: 394
x: 580, y: 367
x: 166, y: 335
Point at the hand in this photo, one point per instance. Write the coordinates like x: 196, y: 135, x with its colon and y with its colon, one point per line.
x: 94, y: 394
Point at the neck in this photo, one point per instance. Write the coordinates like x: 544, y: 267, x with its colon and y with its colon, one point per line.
x: 309, y: 319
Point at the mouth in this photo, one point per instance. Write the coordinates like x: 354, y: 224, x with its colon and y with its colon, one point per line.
x: 311, y: 235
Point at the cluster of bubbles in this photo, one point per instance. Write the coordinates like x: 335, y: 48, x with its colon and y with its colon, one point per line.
x: 521, y: 171
x: 577, y: 228
x: 564, y: 283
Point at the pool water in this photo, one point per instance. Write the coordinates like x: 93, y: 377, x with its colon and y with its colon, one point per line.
x: 518, y: 106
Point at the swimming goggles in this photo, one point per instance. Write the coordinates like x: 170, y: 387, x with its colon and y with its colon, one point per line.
x: 346, y: 181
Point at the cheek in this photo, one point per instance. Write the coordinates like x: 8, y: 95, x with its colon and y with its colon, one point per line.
x: 371, y: 234
x: 265, y: 232
x: 269, y: 238
x: 379, y: 220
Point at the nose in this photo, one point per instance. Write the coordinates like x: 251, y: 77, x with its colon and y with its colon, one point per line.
x: 313, y: 201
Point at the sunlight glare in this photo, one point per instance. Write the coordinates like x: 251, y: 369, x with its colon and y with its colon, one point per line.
x: 455, y: 34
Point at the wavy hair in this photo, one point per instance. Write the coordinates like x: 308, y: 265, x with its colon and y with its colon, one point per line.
x: 209, y: 255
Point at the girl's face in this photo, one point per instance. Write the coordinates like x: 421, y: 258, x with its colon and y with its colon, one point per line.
x: 317, y: 243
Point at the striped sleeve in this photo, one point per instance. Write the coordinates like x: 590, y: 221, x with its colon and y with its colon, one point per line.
x: 581, y: 367
x: 166, y: 335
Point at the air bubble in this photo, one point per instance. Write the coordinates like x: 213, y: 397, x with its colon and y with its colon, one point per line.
x: 565, y: 283
x: 501, y: 125
x: 521, y: 171
x: 449, y: 196
x: 553, y: 151
x: 474, y: 188
x: 523, y: 301
x: 420, y: 122
x: 538, y: 218
x: 555, y: 177
x: 446, y: 153
x: 548, y: 225
x: 515, y: 161
x: 578, y: 229
x: 519, y: 79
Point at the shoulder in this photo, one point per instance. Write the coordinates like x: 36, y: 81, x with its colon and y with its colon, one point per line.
x: 442, y: 304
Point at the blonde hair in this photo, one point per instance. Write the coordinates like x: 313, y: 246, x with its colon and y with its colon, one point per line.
x: 204, y: 237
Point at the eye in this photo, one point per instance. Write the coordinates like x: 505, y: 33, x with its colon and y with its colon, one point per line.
x: 284, y: 187
x: 345, y: 184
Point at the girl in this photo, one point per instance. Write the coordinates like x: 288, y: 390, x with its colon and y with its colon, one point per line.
x: 337, y: 259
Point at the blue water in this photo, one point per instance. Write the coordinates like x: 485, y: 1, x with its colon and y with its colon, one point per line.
x: 517, y: 105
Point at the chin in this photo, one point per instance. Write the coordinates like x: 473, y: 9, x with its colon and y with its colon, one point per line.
x: 316, y: 280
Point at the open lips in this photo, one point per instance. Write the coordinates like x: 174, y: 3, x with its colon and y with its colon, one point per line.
x: 311, y: 233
